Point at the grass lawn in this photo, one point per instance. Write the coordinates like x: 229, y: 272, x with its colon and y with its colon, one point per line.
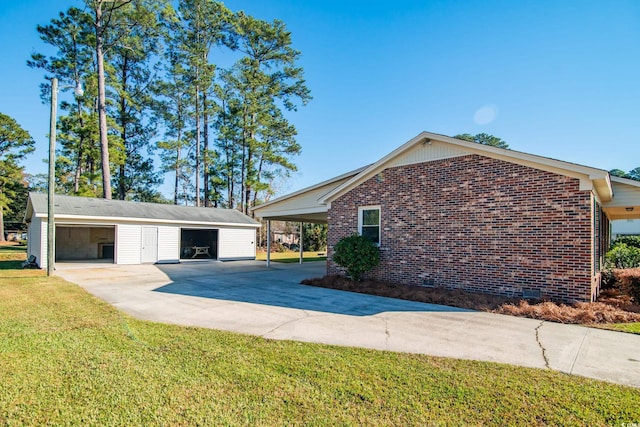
x: 631, y: 328
x: 12, y: 255
x: 67, y: 358
x: 290, y: 257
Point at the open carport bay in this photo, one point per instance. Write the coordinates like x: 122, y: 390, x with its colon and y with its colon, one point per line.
x: 84, y: 242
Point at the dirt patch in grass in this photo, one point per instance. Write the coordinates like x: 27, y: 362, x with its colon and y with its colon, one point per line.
x: 612, y: 307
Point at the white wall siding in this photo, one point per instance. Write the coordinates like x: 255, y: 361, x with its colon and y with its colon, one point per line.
x: 128, y: 244
x: 37, y: 241
x: 168, y: 244
x: 237, y: 243
x: 428, y: 152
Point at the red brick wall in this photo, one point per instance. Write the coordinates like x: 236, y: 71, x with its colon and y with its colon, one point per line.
x: 478, y: 224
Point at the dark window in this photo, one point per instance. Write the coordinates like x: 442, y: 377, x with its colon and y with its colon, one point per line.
x: 370, y: 223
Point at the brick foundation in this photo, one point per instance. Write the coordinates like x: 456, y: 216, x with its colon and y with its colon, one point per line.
x: 476, y: 223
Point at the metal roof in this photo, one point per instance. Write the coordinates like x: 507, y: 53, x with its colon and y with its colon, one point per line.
x: 69, y: 206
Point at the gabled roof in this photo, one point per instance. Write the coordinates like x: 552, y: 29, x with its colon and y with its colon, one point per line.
x: 312, y: 204
x: 303, y: 205
x: 85, y: 208
x: 626, y: 200
x: 590, y: 178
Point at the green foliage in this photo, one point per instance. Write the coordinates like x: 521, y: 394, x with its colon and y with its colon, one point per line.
x: 15, y: 144
x: 314, y: 237
x: 632, y: 174
x: 624, y: 253
x: 628, y: 240
x: 70, y: 359
x: 357, y: 254
x: 483, y: 138
x: 226, y: 128
x: 630, y: 328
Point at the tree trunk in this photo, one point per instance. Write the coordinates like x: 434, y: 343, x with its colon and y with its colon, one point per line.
x: 255, y: 193
x: 102, y: 110
x: 122, y: 187
x: 177, y: 181
x: 2, y: 239
x: 197, y: 142
x: 78, y: 171
x: 205, y: 149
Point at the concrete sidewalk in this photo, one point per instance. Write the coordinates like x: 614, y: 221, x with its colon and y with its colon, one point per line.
x: 247, y: 297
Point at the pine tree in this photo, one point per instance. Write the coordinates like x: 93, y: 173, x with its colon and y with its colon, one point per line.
x: 15, y: 144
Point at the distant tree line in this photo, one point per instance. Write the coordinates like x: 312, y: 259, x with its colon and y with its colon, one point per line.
x: 15, y: 144
x: 483, y: 138
x: 632, y: 174
x: 154, y: 83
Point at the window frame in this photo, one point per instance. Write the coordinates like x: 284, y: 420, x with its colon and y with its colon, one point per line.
x: 361, y: 210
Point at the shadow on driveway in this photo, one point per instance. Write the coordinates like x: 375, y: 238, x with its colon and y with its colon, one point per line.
x: 279, y: 286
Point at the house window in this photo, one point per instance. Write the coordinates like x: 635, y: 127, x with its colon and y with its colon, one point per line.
x: 369, y: 223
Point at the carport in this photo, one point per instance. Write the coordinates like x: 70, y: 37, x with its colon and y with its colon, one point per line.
x: 302, y: 206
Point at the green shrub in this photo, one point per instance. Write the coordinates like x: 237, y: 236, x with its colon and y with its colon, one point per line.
x: 621, y: 255
x: 628, y: 240
x: 357, y: 254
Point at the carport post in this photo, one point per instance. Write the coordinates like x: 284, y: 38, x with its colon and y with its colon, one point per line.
x: 301, y: 248
x: 268, y: 243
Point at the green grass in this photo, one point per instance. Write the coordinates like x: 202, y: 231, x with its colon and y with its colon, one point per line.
x: 12, y: 255
x: 291, y: 257
x: 631, y: 328
x: 67, y: 358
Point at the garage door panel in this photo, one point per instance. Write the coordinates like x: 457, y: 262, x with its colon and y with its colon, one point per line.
x: 237, y: 243
x: 128, y: 244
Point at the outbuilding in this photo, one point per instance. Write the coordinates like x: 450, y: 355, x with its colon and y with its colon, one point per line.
x: 124, y: 232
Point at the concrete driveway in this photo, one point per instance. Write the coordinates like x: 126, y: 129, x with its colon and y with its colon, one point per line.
x: 248, y: 297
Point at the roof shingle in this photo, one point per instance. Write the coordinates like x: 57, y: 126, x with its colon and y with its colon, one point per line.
x: 92, y: 207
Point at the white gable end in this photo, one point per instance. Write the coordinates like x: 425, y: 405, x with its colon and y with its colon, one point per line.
x: 427, y: 152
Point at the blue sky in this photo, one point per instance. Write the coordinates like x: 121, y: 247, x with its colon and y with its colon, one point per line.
x: 554, y: 78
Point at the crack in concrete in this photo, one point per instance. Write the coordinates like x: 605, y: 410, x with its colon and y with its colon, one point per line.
x: 544, y: 351
x: 306, y: 316
x: 386, y: 332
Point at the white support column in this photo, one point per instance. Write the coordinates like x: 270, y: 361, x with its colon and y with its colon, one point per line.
x: 268, y: 243
x: 301, y: 249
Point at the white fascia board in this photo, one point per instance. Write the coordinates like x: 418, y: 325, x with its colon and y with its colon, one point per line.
x: 627, y: 181
x: 281, y: 212
x: 584, y: 173
x: 307, y: 189
x: 116, y: 220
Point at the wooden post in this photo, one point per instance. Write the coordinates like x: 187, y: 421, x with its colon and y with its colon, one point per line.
x: 301, y: 249
x: 268, y: 243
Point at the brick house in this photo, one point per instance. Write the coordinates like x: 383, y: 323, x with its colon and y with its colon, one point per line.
x: 457, y: 214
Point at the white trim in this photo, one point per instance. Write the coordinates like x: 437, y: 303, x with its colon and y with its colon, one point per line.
x: 115, y: 220
x: 371, y: 208
x: 599, y: 177
x: 307, y: 189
